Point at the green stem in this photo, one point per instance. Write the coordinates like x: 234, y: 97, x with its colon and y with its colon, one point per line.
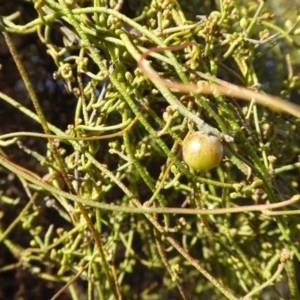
x: 142, y: 210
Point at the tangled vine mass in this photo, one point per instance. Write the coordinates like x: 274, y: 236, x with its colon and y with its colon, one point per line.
x: 102, y: 193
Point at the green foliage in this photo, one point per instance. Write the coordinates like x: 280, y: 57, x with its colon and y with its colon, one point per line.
x: 131, y: 219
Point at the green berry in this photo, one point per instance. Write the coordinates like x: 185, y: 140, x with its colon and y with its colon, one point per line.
x: 202, y: 151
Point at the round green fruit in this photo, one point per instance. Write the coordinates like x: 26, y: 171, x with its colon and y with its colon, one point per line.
x: 202, y: 151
